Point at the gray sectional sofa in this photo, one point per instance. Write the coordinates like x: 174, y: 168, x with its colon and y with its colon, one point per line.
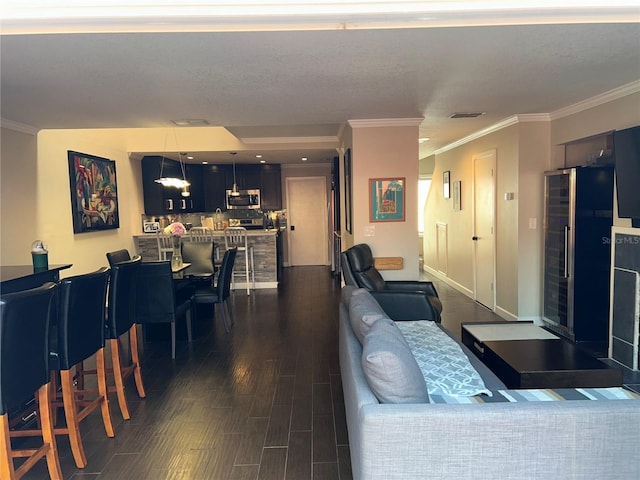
x: 573, y: 439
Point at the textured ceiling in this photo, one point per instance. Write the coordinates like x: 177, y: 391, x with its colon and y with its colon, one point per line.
x: 277, y: 86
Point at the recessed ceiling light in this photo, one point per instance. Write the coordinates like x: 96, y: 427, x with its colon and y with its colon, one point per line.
x: 263, y: 161
x: 304, y: 159
x: 423, y: 139
x: 258, y: 156
x: 189, y: 157
x: 205, y: 163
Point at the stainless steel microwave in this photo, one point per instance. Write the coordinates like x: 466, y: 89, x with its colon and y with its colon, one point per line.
x: 244, y: 199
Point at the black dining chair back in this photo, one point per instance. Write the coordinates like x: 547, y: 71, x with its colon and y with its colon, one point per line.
x: 160, y: 299
x: 24, y: 371
x: 201, y: 257
x: 221, y: 293
x: 121, y: 319
x: 80, y: 335
x: 118, y: 256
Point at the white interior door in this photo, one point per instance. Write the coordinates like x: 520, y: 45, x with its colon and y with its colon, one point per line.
x: 484, y: 218
x: 308, y: 221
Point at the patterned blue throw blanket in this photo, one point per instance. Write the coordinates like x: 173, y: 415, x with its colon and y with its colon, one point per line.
x: 444, y: 366
x: 451, y: 378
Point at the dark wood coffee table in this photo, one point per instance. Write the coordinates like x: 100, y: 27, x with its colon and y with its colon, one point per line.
x: 540, y: 362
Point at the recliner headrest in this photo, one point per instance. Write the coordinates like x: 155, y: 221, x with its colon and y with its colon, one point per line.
x: 360, y: 257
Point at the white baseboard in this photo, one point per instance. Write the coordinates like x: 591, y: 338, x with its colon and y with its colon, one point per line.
x: 501, y: 312
x: 448, y: 281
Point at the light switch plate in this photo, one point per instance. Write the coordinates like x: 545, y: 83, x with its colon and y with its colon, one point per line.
x: 370, y: 231
x: 533, y: 223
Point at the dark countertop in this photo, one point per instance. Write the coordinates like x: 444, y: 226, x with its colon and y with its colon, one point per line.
x: 14, y: 278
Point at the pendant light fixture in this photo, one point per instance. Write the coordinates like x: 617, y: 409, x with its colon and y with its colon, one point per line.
x: 173, y: 181
x: 234, y: 189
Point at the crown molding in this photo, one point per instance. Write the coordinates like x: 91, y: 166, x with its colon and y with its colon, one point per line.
x: 386, y: 122
x: 279, y: 140
x: 615, y: 94
x: 87, y: 16
x: 18, y: 127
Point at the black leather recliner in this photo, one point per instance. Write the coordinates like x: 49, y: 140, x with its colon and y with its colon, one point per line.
x: 401, y: 300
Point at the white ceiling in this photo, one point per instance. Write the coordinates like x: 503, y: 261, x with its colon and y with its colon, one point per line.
x: 277, y: 87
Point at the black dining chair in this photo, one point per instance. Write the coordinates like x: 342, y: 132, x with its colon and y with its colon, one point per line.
x: 118, y: 256
x: 24, y: 350
x: 161, y: 299
x: 221, y: 293
x: 201, y: 257
x: 78, y: 336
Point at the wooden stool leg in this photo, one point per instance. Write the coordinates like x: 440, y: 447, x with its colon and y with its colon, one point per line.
x: 104, y: 393
x: 135, y: 358
x: 117, y: 376
x: 7, y: 470
x: 48, y: 437
x: 71, y: 414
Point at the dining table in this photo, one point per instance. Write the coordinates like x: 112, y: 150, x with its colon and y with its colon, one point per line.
x: 14, y: 278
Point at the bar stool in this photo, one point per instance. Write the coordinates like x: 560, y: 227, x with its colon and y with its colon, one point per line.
x: 165, y: 245
x: 121, y: 316
x: 80, y: 334
x: 237, y: 237
x: 24, y: 348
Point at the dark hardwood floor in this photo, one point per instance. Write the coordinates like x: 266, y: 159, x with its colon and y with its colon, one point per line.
x: 262, y: 402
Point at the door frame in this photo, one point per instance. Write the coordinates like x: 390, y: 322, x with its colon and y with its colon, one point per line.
x: 325, y: 214
x: 491, y: 154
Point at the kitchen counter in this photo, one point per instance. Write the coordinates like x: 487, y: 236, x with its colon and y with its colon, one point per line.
x: 265, y: 254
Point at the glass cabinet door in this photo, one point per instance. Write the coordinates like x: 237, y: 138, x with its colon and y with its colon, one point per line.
x: 557, y: 250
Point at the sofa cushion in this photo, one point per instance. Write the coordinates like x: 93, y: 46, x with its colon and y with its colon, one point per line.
x: 364, y: 311
x: 389, y: 366
x: 446, y: 369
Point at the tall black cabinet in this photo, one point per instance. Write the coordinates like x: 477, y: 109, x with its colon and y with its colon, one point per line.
x: 577, y: 253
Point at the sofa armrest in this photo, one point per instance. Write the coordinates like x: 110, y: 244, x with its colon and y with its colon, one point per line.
x: 409, y: 305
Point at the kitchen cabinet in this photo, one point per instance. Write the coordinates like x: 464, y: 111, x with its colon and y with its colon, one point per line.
x: 214, y: 186
x: 270, y: 187
x: 159, y: 199
x: 247, y: 177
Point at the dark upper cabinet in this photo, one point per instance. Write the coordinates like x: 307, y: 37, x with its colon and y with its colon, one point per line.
x: 159, y: 199
x: 195, y: 176
x: 247, y: 177
x: 214, y: 179
x: 270, y: 187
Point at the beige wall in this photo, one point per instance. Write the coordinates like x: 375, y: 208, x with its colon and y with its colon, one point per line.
x: 384, y: 152
x: 524, y: 151
x: 18, y: 190
x: 54, y: 223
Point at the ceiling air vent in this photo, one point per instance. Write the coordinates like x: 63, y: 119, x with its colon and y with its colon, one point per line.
x: 466, y: 114
x: 191, y: 122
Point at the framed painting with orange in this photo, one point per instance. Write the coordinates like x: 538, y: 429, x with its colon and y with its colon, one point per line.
x: 386, y: 199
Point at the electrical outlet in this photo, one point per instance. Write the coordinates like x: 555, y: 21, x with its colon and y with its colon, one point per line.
x: 370, y: 231
x: 533, y: 223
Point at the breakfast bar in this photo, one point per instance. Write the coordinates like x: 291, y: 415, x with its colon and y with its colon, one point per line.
x: 265, y: 253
